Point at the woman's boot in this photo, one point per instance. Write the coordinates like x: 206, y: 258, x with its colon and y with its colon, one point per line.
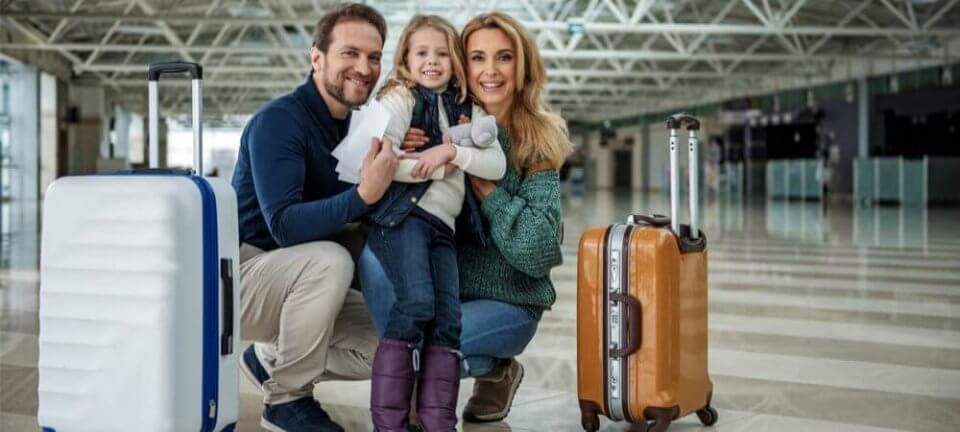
x: 439, y: 388
x: 392, y: 385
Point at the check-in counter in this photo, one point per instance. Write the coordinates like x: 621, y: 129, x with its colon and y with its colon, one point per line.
x: 795, y: 179
x: 898, y: 180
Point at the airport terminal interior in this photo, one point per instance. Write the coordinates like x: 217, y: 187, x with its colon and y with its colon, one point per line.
x: 829, y: 159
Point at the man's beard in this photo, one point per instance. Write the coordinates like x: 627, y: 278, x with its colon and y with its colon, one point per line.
x: 335, y: 89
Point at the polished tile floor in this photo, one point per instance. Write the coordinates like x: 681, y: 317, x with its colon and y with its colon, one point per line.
x: 821, y: 318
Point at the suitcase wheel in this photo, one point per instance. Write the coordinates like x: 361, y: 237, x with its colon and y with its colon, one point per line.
x: 659, y: 426
x: 590, y: 422
x: 589, y: 416
x: 708, y: 415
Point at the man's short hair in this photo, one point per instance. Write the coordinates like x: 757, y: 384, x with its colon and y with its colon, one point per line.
x: 322, y: 35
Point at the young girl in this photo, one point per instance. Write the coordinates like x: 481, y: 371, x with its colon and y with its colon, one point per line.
x: 414, y: 224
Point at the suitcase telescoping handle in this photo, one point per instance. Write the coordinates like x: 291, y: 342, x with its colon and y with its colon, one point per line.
x: 692, y: 125
x: 153, y: 108
x: 634, y: 326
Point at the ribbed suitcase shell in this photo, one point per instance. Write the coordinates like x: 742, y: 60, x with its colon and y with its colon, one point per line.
x: 122, y: 306
x: 667, y: 377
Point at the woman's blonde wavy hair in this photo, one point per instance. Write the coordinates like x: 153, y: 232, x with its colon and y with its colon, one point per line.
x: 401, y: 75
x: 538, y: 136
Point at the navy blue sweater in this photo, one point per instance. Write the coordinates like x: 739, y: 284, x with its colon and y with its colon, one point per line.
x: 285, y: 178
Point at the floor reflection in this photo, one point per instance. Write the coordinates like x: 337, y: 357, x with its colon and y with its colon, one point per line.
x: 19, y: 236
x: 797, y: 220
x: 822, y: 317
x: 891, y: 226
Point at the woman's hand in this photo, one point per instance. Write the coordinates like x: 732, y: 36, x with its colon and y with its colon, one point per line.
x: 482, y: 187
x: 429, y: 160
x: 414, y: 139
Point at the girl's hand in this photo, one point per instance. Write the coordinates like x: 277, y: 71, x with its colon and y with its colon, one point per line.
x: 463, y: 119
x: 414, y: 139
x: 428, y: 161
x: 482, y: 187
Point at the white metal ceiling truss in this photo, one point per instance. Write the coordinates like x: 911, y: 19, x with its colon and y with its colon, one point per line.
x: 605, y: 57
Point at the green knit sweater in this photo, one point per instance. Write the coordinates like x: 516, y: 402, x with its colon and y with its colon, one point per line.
x: 524, y: 216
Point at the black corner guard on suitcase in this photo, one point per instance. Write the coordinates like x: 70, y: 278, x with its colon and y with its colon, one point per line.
x: 226, y: 281
x: 661, y: 417
x: 634, y: 325
x: 688, y: 244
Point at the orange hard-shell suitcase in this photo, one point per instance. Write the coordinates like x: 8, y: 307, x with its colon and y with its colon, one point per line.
x: 642, y: 313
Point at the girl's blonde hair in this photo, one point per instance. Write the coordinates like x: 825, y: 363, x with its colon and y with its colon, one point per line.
x: 538, y: 136
x: 401, y: 75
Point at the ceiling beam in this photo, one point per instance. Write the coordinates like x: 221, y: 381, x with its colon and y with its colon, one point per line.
x: 286, y: 85
x: 939, y: 14
x: 563, y: 26
x: 548, y: 54
x: 255, y: 73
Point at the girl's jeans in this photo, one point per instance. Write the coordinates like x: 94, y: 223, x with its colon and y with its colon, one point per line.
x: 491, y: 330
x: 419, y: 257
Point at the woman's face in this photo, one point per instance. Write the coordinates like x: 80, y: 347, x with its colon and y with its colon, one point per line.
x: 491, y: 69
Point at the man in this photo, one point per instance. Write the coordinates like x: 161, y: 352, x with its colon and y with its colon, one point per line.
x: 296, y: 301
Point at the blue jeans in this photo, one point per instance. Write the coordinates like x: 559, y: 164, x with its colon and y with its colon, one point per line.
x: 490, y: 330
x: 420, y: 259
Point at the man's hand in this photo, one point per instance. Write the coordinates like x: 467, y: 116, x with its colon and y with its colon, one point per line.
x: 376, y: 171
x: 414, y: 139
x: 430, y: 160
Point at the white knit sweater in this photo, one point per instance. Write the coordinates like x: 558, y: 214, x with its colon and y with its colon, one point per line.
x: 444, y: 197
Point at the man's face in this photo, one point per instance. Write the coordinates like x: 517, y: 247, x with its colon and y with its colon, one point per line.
x: 348, y: 70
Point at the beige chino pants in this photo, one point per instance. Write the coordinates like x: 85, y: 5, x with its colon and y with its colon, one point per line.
x: 308, y: 324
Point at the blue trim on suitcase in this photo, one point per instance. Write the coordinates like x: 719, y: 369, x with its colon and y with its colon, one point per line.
x: 47, y: 429
x: 211, y: 308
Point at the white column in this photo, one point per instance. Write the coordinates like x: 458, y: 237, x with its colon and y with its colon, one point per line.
x: 603, y: 165
x: 25, y: 157
x: 121, y: 133
x: 86, y: 137
x: 49, y: 131
x: 863, y: 119
x: 638, y: 169
x: 598, y: 164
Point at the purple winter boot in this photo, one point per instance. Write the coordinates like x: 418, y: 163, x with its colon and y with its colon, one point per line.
x: 392, y: 384
x: 439, y: 388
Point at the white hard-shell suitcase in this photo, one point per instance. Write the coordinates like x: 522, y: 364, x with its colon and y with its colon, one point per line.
x: 138, y: 298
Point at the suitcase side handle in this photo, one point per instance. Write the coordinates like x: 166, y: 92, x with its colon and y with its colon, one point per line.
x: 153, y: 109
x: 634, y: 325
x: 675, y: 122
x: 226, y: 280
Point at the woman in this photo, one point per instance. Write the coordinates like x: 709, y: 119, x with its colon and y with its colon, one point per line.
x: 504, y: 285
